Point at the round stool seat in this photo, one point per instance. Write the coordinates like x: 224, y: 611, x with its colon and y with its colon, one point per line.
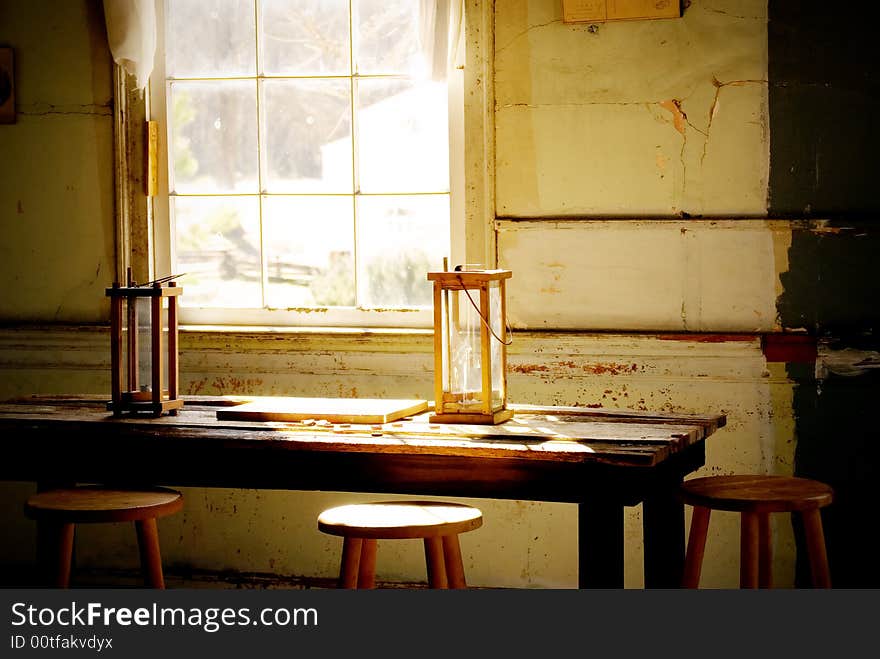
x: 437, y: 523
x: 389, y: 520
x: 752, y: 493
x: 755, y: 497
x: 58, y: 512
x: 91, y: 504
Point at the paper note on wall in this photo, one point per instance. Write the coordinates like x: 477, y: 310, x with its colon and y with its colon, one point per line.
x: 597, y: 11
x: 583, y: 11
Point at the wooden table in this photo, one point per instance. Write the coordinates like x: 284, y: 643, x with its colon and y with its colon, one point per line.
x: 601, y: 460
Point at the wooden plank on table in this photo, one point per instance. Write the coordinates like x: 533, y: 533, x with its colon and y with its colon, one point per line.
x: 335, y: 410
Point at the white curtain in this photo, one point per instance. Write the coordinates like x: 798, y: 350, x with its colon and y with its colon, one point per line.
x: 441, y: 28
x: 131, y: 33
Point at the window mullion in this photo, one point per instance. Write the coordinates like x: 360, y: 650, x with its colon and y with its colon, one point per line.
x: 355, y: 172
x: 261, y: 156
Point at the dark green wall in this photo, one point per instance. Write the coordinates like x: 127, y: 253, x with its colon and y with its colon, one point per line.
x: 832, y: 287
x: 824, y: 83
x: 838, y: 443
x: 823, y: 90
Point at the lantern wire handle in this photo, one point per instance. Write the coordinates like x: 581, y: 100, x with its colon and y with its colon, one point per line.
x: 160, y: 280
x: 486, y: 322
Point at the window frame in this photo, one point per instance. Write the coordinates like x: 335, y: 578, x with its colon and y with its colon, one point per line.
x: 148, y: 248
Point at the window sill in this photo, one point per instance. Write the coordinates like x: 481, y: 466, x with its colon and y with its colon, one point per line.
x: 301, y: 330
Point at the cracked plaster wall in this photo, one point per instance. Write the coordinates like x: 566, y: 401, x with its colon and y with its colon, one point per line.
x: 632, y: 118
x: 608, y: 129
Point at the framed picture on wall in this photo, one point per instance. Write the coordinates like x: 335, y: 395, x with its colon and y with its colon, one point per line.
x: 7, y: 87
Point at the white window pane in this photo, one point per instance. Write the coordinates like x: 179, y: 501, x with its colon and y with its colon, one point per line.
x: 305, y: 37
x: 400, y: 239
x: 309, y: 251
x: 402, y: 136
x: 208, y: 38
x: 307, y: 136
x: 213, y: 136
x: 287, y: 192
x: 218, y: 247
x: 388, y: 37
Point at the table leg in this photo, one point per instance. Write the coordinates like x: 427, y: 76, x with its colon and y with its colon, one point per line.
x: 663, y: 527
x: 600, y: 545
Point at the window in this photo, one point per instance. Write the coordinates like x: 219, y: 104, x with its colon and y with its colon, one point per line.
x: 307, y: 161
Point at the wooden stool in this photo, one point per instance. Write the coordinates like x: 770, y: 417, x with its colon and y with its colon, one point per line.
x: 755, y: 497
x: 438, y: 524
x: 61, y: 509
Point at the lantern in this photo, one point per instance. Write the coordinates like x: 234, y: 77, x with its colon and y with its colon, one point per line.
x: 470, y: 346
x: 134, y: 395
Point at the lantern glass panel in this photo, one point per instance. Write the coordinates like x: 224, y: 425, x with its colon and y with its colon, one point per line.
x: 496, y: 322
x: 464, y: 365
x: 137, y: 322
x: 138, y: 343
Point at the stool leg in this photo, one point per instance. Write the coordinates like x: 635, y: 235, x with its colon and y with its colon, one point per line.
x: 351, y: 556
x: 696, y: 547
x: 816, y: 548
x: 748, y: 554
x: 151, y: 557
x: 765, y: 552
x: 367, y: 568
x: 57, y: 553
x: 434, y: 561
x: 453, y: 563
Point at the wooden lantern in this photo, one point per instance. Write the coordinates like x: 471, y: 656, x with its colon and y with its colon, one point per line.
x: 470, y: 346
x: 135, y: 396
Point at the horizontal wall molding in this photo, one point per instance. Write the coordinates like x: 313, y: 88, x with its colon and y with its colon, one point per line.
x: 76, y: 359
x: 645, y: 275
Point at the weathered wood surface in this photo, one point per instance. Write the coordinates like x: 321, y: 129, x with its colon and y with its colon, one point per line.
x: 563, y: 434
